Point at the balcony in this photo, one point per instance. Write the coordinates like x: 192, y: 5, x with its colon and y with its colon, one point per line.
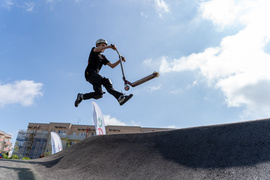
x: 75, y: 137
x: 6, y: 149
x: 7, y: 143
x: 62, y: 135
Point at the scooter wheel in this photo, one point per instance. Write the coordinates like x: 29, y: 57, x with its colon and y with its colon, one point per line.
x: 156, y: 74
x: 126, y: 87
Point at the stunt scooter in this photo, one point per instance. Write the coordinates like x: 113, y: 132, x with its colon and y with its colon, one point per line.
x: 138, y: 82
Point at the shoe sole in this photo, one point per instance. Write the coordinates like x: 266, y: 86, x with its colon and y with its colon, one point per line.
x: 126, y: 99
x: 77, y: 102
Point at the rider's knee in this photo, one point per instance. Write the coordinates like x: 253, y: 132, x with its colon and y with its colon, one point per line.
x: 107, y: 82
x: 98, y: 96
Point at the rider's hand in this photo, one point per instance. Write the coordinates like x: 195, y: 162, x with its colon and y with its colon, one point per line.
x: 123, y: 59
x: 113, y: 46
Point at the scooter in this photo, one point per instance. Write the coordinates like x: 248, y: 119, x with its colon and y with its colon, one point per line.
x: 138, y: 82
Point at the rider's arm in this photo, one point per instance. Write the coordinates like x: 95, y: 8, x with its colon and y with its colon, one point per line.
x: 113, y: 65
x: 101, y: 48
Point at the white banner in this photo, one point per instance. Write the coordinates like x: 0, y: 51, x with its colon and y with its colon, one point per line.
x: 98, y: 120
x: 56, y: 143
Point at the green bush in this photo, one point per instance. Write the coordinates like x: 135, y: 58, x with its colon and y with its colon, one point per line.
x: 26, y: 158
x: 14, y: 157
x: 5, y: 156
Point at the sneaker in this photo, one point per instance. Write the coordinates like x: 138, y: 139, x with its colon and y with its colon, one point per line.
x: 78, y: 100
x: 123, y: 99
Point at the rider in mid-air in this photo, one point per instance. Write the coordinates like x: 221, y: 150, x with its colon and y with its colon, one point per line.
x: 95, y: 62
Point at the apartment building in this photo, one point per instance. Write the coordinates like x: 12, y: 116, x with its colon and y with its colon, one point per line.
x: 35, y: 141
x: 5, y: 144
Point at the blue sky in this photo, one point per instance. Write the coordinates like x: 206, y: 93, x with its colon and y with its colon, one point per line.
x: 212, y: 56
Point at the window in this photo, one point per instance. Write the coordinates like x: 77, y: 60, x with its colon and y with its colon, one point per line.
x: 61, y: 131
x: 82, y: 134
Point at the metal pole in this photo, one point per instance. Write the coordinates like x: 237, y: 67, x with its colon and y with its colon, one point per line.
x: 122, y: 68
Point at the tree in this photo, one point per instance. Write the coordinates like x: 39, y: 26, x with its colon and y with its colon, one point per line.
x: 14, y: 157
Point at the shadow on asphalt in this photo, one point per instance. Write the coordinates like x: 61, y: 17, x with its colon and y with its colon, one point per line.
x: 23, y: 173
x: 233, y: 145
x: 47, y: 164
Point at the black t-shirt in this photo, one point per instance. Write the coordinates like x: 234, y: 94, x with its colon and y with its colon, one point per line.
x: 95, y: 62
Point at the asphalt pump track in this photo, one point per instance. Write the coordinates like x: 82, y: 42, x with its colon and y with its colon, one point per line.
x: 228, y: 151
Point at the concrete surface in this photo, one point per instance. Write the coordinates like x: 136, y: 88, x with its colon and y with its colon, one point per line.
x: 230, y: 151
x: 17, y: 169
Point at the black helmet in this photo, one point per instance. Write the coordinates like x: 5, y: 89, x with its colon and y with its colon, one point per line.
x: 101, y: 41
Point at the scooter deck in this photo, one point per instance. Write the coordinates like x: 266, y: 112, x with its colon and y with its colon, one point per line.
x: 145, y: 79
x: 138, y: 82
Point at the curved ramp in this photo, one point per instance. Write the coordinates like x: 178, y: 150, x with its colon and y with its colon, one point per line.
x: 230, y: 151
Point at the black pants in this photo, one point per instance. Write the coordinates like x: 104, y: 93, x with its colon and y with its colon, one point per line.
x: 97, y: 80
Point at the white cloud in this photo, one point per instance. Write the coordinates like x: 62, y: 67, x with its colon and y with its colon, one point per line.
x: 154, y: 88
x: 7, y: 4
x: 51, y: 4
x: 152, y: 64
x: 220, y: 12
x: 112, y: 121
x: 172, y: 127
x: 50, y: 1
x: 161, y: 7
x: 78, y: 1
x: 148, y: 62
x: 20, y: 92
x: 144, y: 15
x: 133, y: 123
x: 116, y: 122
x: 29, y: 6
x: 239, y: 66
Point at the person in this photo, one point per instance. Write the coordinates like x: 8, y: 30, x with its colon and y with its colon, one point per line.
x: 95, y: 62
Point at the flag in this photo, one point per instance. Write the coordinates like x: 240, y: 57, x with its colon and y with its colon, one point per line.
x: 56, y: 143
x: 98, y: 120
